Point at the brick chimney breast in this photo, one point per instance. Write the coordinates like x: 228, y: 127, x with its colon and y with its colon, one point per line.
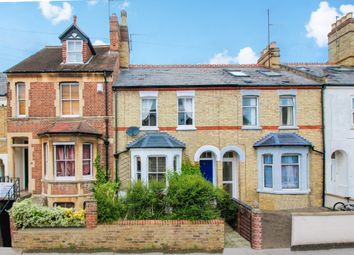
x: 114, y: 32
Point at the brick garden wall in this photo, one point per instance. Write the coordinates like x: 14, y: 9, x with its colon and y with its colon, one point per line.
x: 140, y: 235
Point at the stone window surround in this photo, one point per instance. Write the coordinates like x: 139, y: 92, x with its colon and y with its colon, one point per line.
x: 58, y: 99
x: 149, y: 95
x: 78, y: 142
x: 145, y: 153
x: 290, y: 93
x: 277, y: 153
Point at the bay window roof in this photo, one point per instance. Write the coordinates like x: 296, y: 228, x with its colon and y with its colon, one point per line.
x: 156, y: 140
x: 282, y: 139
x: 74, y: 127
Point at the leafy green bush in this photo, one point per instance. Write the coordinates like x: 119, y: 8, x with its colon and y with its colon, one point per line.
x: 26, y: 214
x: 145, y: 202
x: 188, y: 168
x: 191, y: 197
x: 226, y: 206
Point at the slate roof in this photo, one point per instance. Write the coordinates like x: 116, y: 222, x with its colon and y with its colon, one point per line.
x: 3, y: 84
x: 282, y: 139
x: 204, y: 75
x: 156, y: 140
x: 75, y: 127
x: 332, y: 74
x: 49, y: 59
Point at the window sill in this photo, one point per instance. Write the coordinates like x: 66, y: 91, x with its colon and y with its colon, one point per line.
x: 74, y: 180
x: 288, y: 128
x: 70, y: 116
x: 149, y: 129
x: 186, y: 128
x: 284, y: 192
x: 251, y: 128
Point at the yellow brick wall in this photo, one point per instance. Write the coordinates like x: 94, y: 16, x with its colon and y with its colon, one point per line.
x: 3, y: 129
x: 219, y: 110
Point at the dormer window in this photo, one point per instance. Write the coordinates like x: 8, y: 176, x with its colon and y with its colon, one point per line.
x: 74, y: 52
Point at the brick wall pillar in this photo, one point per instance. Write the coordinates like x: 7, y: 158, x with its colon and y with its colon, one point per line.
x: 256, y: 241
x: 91, y: 214
x: 12, y: 228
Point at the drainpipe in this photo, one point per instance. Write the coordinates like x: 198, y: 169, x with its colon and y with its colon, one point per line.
x: 116, y: 132
x: 106, y: 119
x: 324, y: 147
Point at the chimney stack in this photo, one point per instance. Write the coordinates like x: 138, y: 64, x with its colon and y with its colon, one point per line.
x: 270, y: 56
x: 341, y: 41
x: 114, y: 32
x: 124, y: 48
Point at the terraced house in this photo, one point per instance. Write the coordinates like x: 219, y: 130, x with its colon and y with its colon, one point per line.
x: 60, y: 114
x: 255, y: 131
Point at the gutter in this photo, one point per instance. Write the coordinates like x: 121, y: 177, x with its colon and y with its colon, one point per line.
x: 106, y: 139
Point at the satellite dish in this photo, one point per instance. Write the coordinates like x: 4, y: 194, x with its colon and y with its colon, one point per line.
x: 132, y: 131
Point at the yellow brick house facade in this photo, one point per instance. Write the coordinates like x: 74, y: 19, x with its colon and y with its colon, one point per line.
x: 217, y: 116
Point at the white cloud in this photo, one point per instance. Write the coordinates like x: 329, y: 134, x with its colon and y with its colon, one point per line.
x: 54, y: 13
x: 24, y: 1
x: 321, y: 20
x: 124, y: 5
x: 245, y: 56
x: 92, y: 2
x: 99, y: 42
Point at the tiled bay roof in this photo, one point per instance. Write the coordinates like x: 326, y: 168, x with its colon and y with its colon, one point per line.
x: 156, y: 140
x: 74, y: 127
x: 282, y: 139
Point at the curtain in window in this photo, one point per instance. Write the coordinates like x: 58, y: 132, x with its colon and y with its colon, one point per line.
x: 147, y: 108
x: 60, y: 160
x: 70, y: 164
x: 287, y: 116
x: 249, y: 111
x: 86, y: 159
x: 188, y: 107
x: 290, y: 172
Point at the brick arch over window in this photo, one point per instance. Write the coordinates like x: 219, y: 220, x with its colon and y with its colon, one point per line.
x: 235, y: 149
x: 205, y: 148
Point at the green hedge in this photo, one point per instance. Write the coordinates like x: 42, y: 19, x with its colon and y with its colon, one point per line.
x: 188, y: 196
x: 26, y: 214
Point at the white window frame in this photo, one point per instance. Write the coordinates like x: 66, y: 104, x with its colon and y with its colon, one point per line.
x: 157, y: 164
x: 61, y: 99
x: 294, y: 125
x: 233, y: 173
x: 17, y: 100
x: 291, y: 164
x: 149, y: 95
x: 67, y: 52
x: 186, y: 95
x: 69, y: 178
x: 278, y: 152
x: 263, y: 171
x: 136, y: 168
x: 257, y: 111
x: 91, y: 161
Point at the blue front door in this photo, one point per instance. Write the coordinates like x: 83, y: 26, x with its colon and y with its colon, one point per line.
x: 206, y: 167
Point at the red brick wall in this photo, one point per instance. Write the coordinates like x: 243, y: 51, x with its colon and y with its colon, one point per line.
x: 86, y: 52
x: 63, y: 51
x: 42, y: 96
x: 37, y: 167
x: 95, y: 101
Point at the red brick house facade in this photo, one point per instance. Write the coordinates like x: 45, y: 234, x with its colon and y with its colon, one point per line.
x: 60, y: 115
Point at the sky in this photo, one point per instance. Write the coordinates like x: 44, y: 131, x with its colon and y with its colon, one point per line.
x: 177, y: 31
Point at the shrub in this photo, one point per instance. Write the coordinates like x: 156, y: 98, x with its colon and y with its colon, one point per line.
x: 26, y: 214
x: 188, y: 168
x: 226, y: 206
x: 191, y: 197
x: 145, y: 201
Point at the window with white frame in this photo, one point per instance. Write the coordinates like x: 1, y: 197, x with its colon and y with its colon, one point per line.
x: 268, y: 171
x: 287, y: 110
x: 149, y: 112
x: 283, y: 170
x: 138, y: 168
x: 185, y: 111
x: 290, y: 171
x: 64, y: 156
x: 21, y: 99
x: 87, y: 159
x: 74, y: 52
x: 70, y: 99
x: 352, y: 110
x: 250, y: 111
x: 157, y: 169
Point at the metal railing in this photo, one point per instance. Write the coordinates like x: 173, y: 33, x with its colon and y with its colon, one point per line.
x: 12, y: 194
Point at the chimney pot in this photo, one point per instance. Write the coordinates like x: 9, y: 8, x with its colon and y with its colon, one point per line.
x: 75, y: 20
x: 124, y: 15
